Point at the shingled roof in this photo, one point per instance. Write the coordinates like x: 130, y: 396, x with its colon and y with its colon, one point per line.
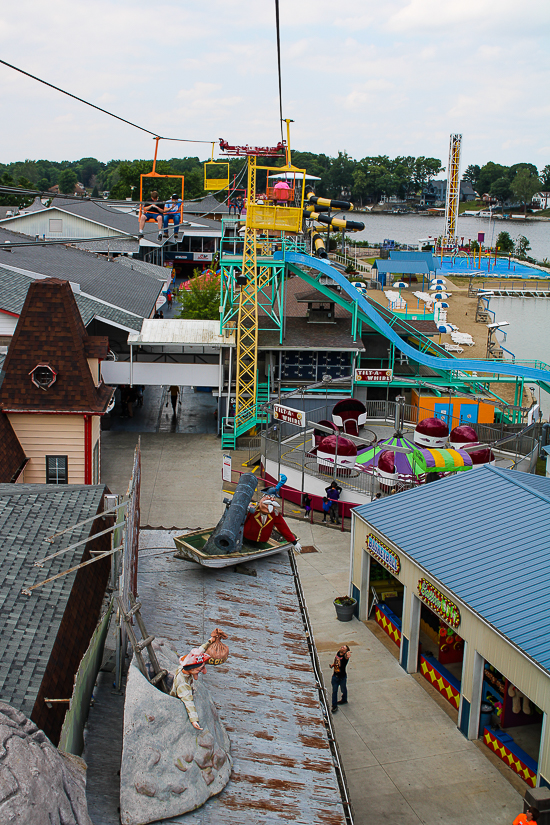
x: 29, y: 513
x: 12, y: 457
x: 50, y: 333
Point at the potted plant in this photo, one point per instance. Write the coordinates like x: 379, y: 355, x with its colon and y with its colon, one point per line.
x: 345, y: 605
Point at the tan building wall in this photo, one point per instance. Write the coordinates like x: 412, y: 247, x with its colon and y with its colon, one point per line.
x: 96, y: 451
x: 42, y: 435
x: 525, y: 674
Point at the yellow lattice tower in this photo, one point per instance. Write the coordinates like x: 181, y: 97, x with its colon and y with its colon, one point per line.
x: 453, y: 189
x: 247, y: 326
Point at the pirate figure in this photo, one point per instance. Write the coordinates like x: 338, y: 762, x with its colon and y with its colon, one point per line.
x: 194, y: 663
x: 261, y: 520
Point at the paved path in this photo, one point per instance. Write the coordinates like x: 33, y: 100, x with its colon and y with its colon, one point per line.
x: 405, y: 760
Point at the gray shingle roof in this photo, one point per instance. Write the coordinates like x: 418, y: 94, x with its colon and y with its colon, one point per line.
x: 29, y: 624
x: 15, y: 285
x: 98, y: 277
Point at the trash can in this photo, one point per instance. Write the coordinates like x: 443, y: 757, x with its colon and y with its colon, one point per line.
x: 486, y: 711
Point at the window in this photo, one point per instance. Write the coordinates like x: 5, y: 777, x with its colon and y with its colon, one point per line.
x: 57, y: 469
x: 95, y: 463
x: 56, y: 224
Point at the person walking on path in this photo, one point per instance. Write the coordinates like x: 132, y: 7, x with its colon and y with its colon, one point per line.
x: 339, y: 677
x: 174, y: 393
x: 531, y: 815
x: 333, y: 494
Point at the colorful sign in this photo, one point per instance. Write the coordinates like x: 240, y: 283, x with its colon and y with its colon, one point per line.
x: 383, y: 554
x: 373, y: 375
x: 440, y: 604
x: 290, y: 415
x: 226, y: 468
x: 202, y: 256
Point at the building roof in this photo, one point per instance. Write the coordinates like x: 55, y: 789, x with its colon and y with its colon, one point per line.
x: 14, y: 286
x: 301, y: 335
x: 12, y: 456
x: 161, y: 331
x: 107, y: 280
x: 29, y: 625
x: 402, y: 267
x: 414, y: 255
x: 50, y: 332
x: 284, y: 771
x: 487, y: 540
x: 205, y: 206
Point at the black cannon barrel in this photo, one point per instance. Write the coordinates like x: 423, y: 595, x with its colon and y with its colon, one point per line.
x: 227, y: 533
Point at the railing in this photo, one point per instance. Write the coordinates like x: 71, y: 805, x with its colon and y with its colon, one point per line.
x: 358, y: 265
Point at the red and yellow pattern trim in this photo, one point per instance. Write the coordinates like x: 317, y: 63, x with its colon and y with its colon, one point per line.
x: 448, y: 691
x: 503, y: 752
x: 386, y: 624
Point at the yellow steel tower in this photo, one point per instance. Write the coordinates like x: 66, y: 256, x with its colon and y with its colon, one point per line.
x: 453, y: 189
x: 262, y: 216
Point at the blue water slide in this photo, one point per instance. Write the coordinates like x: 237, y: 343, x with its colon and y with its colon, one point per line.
x: 322, y: 265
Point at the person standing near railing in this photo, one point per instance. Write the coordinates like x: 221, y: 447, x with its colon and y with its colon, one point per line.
x: 333, y: 494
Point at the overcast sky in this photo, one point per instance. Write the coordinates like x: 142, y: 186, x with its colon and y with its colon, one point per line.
x: 369, y: 77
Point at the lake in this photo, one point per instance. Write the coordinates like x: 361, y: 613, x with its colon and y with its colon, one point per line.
x: 409, y: 228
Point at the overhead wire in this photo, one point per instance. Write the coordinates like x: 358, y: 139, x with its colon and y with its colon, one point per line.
x: 277, y: 27
x: 99, y: 109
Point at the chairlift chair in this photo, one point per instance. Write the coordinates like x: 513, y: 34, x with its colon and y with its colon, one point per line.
x: 154, y: 175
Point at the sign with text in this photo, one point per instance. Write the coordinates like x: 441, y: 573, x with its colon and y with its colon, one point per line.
x: 373, y: 375
x: 439, y: 603
x: 290, y: 415
x: 226, y: 468
x: 202, y: 256
x: 383, y: 554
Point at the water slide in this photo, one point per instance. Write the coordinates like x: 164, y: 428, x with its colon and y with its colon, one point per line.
x: 432, y: 361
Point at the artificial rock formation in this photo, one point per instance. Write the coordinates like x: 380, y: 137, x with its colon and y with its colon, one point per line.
x: 169, y: 767
x: 38, y: 783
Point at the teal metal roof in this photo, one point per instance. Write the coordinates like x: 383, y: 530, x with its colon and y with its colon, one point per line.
x: 403, y: 255
x: 402, y: 267
x: 485, y: 535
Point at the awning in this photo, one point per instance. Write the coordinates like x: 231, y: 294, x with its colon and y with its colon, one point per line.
x: 440, y: 461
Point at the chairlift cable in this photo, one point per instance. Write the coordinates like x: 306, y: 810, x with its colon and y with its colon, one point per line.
x: 277, y: 26
x: 93, y: 106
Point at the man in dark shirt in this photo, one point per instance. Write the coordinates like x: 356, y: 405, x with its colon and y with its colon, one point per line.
x: 339, y: 677
x: 153, y: 209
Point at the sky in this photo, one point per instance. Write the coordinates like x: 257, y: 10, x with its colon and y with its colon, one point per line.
x: 368, y: 77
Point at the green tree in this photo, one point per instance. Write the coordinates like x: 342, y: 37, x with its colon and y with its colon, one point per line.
x: 424, y: 170
x: 524, y: 186
x: 488, y: 175
x: 522, y: 246
x: 88, y: 168
x: 67, y: 181
x: 43, y: 184
x: 505, y: 242
x: 202, y: 301
x: 500, y: 189
x: 95, y: 192
x: 545, y: 178
x: 472, y: 174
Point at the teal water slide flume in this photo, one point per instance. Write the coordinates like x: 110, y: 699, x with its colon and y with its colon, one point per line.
x: 446, y: 364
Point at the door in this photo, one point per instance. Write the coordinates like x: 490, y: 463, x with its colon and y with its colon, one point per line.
x: 443, y: 412
x: 468, y: 413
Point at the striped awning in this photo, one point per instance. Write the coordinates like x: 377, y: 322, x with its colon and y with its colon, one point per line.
x: 440, y: 461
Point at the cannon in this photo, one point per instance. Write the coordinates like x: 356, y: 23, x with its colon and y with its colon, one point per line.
x: 227, y: 536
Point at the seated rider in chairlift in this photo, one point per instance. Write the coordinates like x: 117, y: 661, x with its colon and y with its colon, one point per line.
x: 172, y: 210
x: 153, y: 209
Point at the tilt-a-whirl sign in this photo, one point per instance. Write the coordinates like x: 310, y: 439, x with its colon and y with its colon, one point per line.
x: 439, y: 603
x: 383, y: 554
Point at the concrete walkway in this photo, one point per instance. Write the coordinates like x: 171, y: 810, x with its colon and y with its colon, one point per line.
x: 405, y: 760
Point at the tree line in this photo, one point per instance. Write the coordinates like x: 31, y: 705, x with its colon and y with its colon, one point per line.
x: 363, y: 181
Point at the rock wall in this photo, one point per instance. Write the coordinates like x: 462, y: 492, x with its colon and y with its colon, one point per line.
x: 169, y: 767
x: 38, y: 784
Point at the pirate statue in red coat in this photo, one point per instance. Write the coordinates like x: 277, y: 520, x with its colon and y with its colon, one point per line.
x: 265, y: 516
